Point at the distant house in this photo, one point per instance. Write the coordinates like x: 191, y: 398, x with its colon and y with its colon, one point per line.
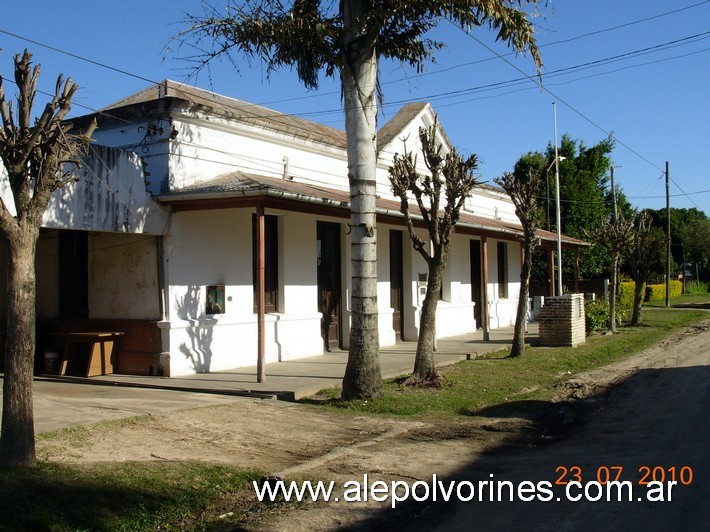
x: 157, y: 239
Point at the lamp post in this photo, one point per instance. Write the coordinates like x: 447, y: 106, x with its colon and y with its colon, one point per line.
x: 557, y: 194
x: 547, y: 185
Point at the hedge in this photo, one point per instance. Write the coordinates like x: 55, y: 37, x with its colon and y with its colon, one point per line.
x: 626, y: 294
x: 657, y: 292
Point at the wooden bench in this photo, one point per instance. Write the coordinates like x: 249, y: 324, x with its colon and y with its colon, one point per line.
x: 99, y: 359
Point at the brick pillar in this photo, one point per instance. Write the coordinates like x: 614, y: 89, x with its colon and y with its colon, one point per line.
x: 562, y: 321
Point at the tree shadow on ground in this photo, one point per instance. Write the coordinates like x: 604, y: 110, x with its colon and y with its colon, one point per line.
x: 704, y: 306
x: 129, y: 496
x: 615, y: 425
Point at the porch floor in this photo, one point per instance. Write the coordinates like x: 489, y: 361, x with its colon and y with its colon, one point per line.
x: 295, y: 379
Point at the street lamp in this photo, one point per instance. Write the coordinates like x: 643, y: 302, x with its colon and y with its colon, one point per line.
x: 557, y: 159
x: 547, y: 186
x: 557, y: 193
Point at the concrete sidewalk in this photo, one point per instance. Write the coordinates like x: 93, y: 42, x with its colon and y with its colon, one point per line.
x: 295, y: 379
x: 61, y: 402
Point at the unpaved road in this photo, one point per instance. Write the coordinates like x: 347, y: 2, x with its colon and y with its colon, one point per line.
x: 657, y: 417
x: 649, y: 410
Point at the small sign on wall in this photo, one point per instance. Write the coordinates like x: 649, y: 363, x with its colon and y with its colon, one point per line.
x: 214, y: 300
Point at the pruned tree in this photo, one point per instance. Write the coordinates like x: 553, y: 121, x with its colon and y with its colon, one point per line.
x: 348, y: 38
x: 647, y: 243
x: 449, y: 175
x: 522, y: 187
x: 34, y: 152
x: 613, y: 235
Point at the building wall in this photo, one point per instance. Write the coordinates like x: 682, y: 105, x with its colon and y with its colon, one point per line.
x: 215, y: 248
x: 47, y: 270
x: 123, y: 279
x: 123, y: 282
x: 502, y: 310
x: 199, y: 255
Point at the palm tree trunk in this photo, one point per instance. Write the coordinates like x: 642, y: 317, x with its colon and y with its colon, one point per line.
x: 17, y: 444
x: 359, y: 80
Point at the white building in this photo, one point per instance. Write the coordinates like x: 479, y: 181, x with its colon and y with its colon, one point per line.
x: 157, y: 239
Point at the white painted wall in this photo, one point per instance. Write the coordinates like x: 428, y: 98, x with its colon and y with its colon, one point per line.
x: 215, y: 248
x: 491, y: 204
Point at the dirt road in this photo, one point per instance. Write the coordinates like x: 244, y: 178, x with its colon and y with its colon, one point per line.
x: 650, y: 410
x: 653, y: 421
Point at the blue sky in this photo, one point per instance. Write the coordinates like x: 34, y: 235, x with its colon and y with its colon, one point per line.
x: 653, y: 96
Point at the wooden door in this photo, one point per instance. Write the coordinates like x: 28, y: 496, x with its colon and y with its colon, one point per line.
x: 329, y: 282
x: 476, y: 281
x: 396, y: 282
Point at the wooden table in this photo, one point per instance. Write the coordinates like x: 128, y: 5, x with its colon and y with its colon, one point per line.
x: 98, y: 360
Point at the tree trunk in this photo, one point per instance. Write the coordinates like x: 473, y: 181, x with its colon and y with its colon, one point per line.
x: 424, y: 368
x: 359, y: 80
x: 612, y: 294
x: 518, y: 347
x: 17, y: 444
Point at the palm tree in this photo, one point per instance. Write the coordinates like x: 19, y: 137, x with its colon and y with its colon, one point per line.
x: 349, y: 38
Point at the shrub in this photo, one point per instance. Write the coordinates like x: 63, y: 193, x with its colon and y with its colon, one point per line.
x: 697, y: 288
x: 626, y: 294
x: 596, y: 315
x: 657, y: 292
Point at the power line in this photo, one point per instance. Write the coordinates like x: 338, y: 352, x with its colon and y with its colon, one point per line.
x: 563, y: 101
x: 575, y: 110
x: 422, y: 74
x: 627, y: 24
x: 77, y: 56
x: 450, y: 94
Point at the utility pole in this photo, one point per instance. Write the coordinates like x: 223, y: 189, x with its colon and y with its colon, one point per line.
x: 615, y: 273
x: 668, y: 238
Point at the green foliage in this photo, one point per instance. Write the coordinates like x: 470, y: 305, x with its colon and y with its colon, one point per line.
x: 309, y: 36
x: 657, y: 292
x: 697, y: 288
x: 596, y: 315
x: 626, y: 294
x: 584, y: 197
x: 690, y: 234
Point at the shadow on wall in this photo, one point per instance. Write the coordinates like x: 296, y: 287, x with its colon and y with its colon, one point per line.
x: 200, y: 331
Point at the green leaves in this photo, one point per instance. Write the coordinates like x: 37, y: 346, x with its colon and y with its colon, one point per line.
x: 309, y: 34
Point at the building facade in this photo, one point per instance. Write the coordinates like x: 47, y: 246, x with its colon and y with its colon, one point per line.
x: 158, y: 239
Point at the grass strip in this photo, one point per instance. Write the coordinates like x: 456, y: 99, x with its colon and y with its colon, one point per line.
x: 470, y: 386
x: 128, y: 496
